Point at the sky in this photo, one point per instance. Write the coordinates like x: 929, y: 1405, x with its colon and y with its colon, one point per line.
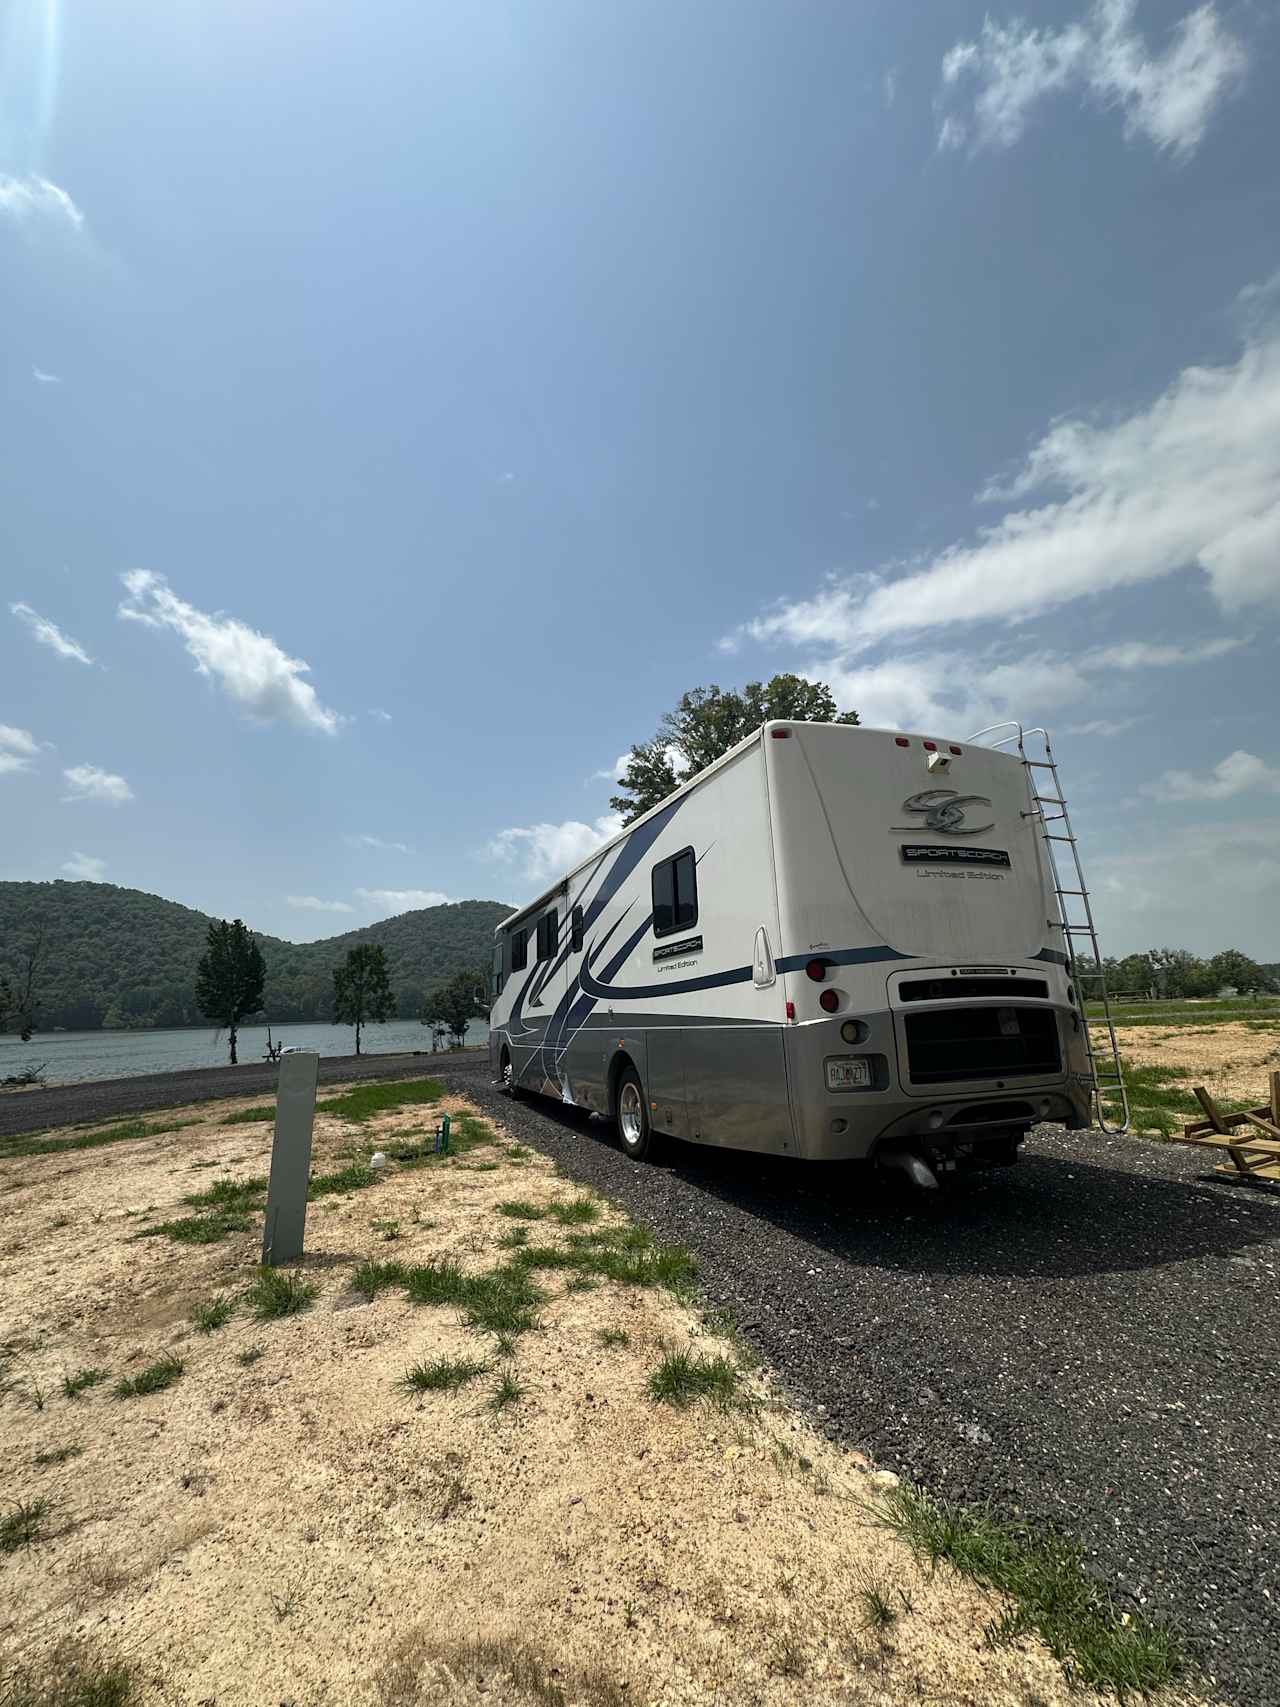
x: 406, y: 403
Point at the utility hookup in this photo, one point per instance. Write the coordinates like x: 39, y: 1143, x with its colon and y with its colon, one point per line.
x: 283, y: 1235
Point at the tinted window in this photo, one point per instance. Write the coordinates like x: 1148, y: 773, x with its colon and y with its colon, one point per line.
x: 496, y: 988
x: 575, y: 931
x: 675, y: 894
x: 548, y: 934
x: 519, y: 950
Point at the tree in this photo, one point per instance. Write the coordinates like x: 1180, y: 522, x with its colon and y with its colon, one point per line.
x: 1234, y: 969
x: 706, y: 724
x: 230, y: 977
x: 362, y: 989
x: 454, y: 1005
x: 18, y: 1002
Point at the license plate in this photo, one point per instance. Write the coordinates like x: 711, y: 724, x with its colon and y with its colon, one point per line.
x: 1008, y: 1018
x: 847, y: 1075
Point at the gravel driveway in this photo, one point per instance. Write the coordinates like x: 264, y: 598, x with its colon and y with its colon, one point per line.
x: 1089, y: 1338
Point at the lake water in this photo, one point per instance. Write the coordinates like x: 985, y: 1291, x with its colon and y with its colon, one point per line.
x: 69, y: 1057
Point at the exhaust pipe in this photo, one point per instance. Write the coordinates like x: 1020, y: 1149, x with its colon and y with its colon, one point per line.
x: 913, y: 1165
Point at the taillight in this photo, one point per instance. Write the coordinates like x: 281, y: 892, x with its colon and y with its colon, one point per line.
x: 829, y: 1001
x: 929, y: 746
x: 901, y: 741
x: 815, y: 969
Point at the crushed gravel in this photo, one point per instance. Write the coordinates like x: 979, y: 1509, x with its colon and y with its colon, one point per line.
x: 1089, y: 1338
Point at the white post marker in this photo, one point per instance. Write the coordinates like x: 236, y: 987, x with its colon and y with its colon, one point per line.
x: 282, y: 1237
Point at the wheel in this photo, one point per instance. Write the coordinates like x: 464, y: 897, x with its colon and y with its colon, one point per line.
x: 509, y: 1084
x: 635, y: 1134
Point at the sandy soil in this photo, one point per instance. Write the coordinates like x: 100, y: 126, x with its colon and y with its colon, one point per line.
x: 1230, y: 1060
x: 301, y: 1531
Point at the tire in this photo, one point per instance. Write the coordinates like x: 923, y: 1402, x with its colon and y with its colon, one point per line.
x: 635, y: 1133
x: 507, y: 1072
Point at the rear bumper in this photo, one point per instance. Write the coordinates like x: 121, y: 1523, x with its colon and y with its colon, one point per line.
x: 852, y: 1125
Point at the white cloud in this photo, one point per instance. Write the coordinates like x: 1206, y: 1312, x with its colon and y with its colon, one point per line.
x: 1168, y: 97
x: 378, y: 842
x: 43, y: 378
x: 49, y: 634
x: 546, y: 851
x: 17, y: 749
x: 85, y: 866
x: 261, y: 678
x: 1238, y: 773
x: 376, y: 711
x: 1192, y: 479
x: 91, y: 782
x: 1203, y: 885
x: 313, y: 904
x: 1104, y: 727
x: 1145, y: 654
x: 35, y: 198
x: 614, y: 773
x: 387, y: 901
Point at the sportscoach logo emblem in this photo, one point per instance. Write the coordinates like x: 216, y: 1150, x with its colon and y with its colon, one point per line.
x: 943, y: 812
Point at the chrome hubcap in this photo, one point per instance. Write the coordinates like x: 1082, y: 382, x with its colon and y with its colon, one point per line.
x: 631, y: 1115
x: 507, y: 1074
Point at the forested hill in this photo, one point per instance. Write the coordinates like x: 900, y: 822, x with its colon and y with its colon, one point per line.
x: 120, y: 957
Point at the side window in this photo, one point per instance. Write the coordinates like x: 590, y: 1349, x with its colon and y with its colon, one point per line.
x: 548, y: 934
x: 496, y: 987
x: 575, y: 931
x: 519, y: 950
x: 675, y: 894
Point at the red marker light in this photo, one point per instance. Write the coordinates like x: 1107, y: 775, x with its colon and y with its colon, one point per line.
x: 829, y: 1001
x: 791, y: 1010
x: 815, y: 969
x: 929, y: 746
x: 956, y: 751
x: 781, y: 734
x: 902, y: 741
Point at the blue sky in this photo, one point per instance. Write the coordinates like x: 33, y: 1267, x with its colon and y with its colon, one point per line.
x: 406, y: 403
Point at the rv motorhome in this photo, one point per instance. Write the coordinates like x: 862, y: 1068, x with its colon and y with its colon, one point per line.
x: 834, y: 943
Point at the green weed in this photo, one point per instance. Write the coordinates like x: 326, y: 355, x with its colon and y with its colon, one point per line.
x: 370, y: 1278
x: 81, y: 1381
x: 684, y: 1378
x: 1043, y: 1575
x: 276, y: 1293
x: 611, y: 1338
x: 442, y: 1374
x: 200, y: 1229
x: 507, y: 1390
x: 577, y: 1212
x: 153, y: 1379
x: 249, y: 1355
x: 44, y: 1144
x: 365, y: 1101
x: 355, y: 1177
x: 229, y: 1195
x: 519, y: 1209
x: 208, y: 1318
x: 247, y: 1116
x: 22, y: 1523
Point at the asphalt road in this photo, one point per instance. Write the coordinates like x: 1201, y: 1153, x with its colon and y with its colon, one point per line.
x: 1089, y: 1338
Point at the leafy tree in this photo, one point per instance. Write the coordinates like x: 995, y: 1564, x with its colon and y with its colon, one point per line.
x: 362, y: 989
x: 230, y: 977
x: 706, y: 724
x: 454, y: 1005
x: 1236, y: 969
x: 18, y: 1001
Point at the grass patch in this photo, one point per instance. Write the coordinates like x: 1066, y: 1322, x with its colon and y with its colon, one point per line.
x: 370, y: 1278
x: 22, y: 1524
x: 44, y: 1144
x: 612, y: 1338
x: 1158, y: 1103
x: 440, y: 1281
x: 576, y: 1213
x: 519, y: 1209
x: 442, y: 1374
x: 629, y: 1256
x: 503, y: 1302
x: 365, y: 1101
x: 514, y: 1238
x: 685, y: 1378
x: 153, y: 1379
x: 72, y: 1674
x: 81, y: 1381
x: 275, y: 1293
x: 58, y: 1455
x: 200, y: 1229
x: 354, y: 1177
x: 247, y: 1116
x: 249, y: 1355
x: 208, y: 1318
x: 1043, y: 1575
x: 507, y: 1390
x: 232, y: 1194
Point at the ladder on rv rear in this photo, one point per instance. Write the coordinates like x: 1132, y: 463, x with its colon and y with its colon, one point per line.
x: 1075, y: 920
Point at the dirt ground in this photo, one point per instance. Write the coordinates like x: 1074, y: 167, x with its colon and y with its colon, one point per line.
x: 1232, y: 1061
x: 297, y: 1529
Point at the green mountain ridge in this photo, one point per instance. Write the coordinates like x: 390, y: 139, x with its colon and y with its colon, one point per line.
x: 121, y: 957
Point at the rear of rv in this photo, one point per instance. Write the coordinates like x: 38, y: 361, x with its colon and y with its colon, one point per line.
x: 932, y: 1007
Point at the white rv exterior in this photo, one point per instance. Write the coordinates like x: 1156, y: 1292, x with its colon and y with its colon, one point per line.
x: 834, y: 943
